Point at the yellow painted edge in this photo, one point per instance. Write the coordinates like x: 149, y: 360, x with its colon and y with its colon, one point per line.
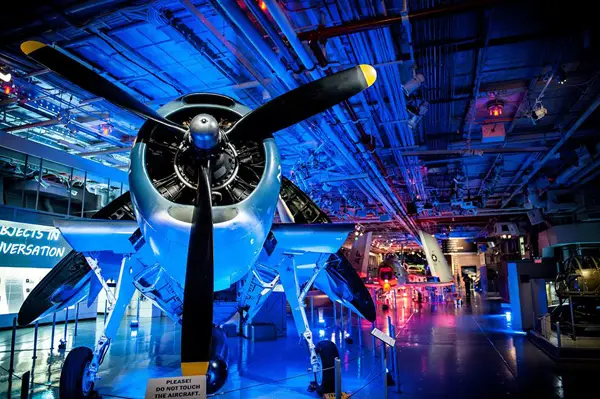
x: 30, y: 46
x: 369, y: 72
x: 194, y: 368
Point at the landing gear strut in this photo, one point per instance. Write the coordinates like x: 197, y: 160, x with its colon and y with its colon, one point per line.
x: 81, y: 366
x: 322, y: 355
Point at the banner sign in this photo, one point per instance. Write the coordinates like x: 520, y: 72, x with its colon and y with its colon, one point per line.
x: 458, y: 246
x: 189, y: 387
x: 30, y: 245
x: 435, y: 257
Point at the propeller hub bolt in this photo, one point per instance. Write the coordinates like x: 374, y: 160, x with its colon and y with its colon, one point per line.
x: 204, y: 132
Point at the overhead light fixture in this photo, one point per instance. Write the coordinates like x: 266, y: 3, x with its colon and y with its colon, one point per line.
x: 7, y: 90
x: 413, y: 84
x: 538, y: 112
x: 560, y: 76
x: 262, y: 5
x: 106, y: 129
x: 495, y: 108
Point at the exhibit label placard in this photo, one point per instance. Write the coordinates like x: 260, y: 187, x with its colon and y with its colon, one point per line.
x: 458, y: 246
x: 189, y: 387
x: 31, y: 245
x: 383, y: 337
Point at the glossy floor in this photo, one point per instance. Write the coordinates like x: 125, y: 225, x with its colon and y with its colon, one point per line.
x: 443, y: 351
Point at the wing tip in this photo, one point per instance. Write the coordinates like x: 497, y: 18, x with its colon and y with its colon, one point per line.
x: 30, y: 46
x: 369, y: 73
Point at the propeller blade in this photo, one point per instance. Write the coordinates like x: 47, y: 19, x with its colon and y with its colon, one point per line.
x: 303, y: 102
x: 197, y: 318
x: 90, y: 81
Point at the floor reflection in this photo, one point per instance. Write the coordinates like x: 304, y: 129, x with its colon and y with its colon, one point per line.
x: 444, y: 351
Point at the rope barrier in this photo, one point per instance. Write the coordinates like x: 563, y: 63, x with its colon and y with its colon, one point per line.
x: 349, y: 361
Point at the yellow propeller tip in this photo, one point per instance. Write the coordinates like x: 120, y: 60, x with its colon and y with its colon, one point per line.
x: 370, y: 74
x: 194, y: 368
x: 30, y: 46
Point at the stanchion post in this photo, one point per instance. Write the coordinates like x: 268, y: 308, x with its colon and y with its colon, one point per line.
x: 391, y: 334
x: 338, y: 378
x: 34, y: 356
x: 25, y: 385
x: 76, y: 319
x: 66, y: 325
x: 397, y: 362
x: 52, y: 333
x: 63, y: 342
x: 359, y: 330
x: 572, y: 316
x: 350, y: 321
x: 384, y: 368
x: 11, y: 368
x: 373, y: 337
x: 334, y: 314
x: 558, y: 338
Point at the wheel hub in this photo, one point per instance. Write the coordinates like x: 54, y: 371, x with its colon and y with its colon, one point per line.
x: 319, y: 372
x: 87, y: 380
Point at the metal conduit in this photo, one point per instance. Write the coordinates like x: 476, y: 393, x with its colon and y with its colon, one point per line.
x: 555, y: 149
x: 287, y: 29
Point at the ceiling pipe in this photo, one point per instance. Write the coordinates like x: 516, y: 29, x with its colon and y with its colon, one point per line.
x: 255, y: 38
x: 235, y: 14
x: 50, y: 122
x: 381, y: 22
x: 105, y: 152
x: 287, y: 29
x: 590, y: 110
x: 217, y: 34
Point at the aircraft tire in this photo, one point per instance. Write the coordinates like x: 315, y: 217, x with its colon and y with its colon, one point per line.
x: 327, y: 351
x: 73, y: 372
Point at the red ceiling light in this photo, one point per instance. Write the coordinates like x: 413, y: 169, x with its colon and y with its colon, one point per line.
x: 7, y: 90
x: 262, y: 5
x: 106, y: 129
x: 495, y: 108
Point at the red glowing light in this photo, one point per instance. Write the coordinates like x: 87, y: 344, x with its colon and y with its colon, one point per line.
x: 262, y: 5
x: 7, y: 90
x: 496, y: 108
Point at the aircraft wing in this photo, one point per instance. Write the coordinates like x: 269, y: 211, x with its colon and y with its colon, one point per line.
x: 316, y: 238
x: 96, y: 235
x: 72, y: 279
x: 309, y: 242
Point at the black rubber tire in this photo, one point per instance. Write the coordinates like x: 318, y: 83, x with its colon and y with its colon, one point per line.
x: 327, y: 351
x: 71, y: 375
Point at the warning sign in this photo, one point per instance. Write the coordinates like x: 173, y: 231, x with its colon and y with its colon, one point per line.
x: 192, y: 387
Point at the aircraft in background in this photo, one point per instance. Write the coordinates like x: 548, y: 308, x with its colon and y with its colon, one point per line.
x: 205, y: 184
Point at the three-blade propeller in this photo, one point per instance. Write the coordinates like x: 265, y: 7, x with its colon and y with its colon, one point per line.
x: 279, y: 113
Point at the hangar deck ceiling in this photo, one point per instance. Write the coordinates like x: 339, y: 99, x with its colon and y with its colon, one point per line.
x: 503, y: 118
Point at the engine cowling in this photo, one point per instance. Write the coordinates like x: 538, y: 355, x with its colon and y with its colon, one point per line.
x: 246, y: 179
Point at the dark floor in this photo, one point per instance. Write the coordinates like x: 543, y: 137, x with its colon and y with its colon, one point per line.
x: 444, y: 351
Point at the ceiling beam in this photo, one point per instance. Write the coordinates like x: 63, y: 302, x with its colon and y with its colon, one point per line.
x: 381, y: 22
